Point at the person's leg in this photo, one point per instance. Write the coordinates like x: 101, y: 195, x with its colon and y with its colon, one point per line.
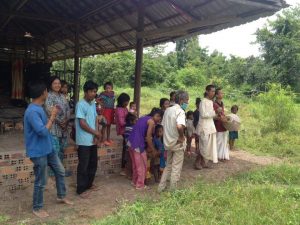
x: 82, y: 168
x: 178, y: 157
x: 55, y: 142
x: 123, y: 160
x: 108, y: 132
x: 103, y: 134
x: 59, y: 171
x: 134, y: 169
x: 167, y: 171
x: 140, y: 169
x: 40, y: 173
x: 92, y: 165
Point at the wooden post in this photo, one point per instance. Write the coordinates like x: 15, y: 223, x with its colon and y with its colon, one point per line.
x: 76, y: 66
x: 139, y: 57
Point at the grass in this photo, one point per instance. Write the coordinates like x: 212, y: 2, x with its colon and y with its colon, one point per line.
x: 258, y: 197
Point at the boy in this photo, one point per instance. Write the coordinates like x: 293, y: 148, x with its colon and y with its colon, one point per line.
x: 85, y: 123
x: 39, y: 148
x: 233, y: 135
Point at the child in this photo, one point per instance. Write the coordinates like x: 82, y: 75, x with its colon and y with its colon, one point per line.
x: 172, y: 98
x: 190, y: 130
x: 196, y: 117
x: 132, y: 108
x: 121, y: 113
x: 233, y: 135
x: 100, y: 124
x: 108, y: 101
x: 160, y: 161
x: 130, y: 121
x: 64, y: 88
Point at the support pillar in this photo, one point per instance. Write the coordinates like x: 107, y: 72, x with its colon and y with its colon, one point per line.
x: 139, y: 57
x: 76, y: 66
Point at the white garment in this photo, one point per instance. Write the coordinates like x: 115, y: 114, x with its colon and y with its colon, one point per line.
x: 173, y: 116
x: 206, y: 121
x: 208, y: 147
x: 190, y: 127
x: 222, y: 145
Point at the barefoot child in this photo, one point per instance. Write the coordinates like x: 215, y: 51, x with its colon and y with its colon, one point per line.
x: 160, y: 161
x: 190, y: 130
x: 233, y: 135
x: 100, y: 124
x: 108, y: 99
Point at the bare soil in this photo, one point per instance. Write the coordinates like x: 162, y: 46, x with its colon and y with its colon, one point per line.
x: 114, y: 191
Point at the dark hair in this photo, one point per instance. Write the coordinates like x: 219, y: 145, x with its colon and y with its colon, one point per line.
x: 157, y: 127
x: 234, y: 107
x: 130, y: 118
x: 131, y: 103
x: 155, y: 111
x: 36, y: 88
x: 189, y: 113
x: 51, y: 80
x: 218, y: 90
x: 122, y: 99
x: 198, y: 100
x: 162, y: 101
x: 172, y: 93
x: 63, y: 83
x: 208, y: 88
x: 181, y: 95
x: 108, y: 84
x: 90, y: 85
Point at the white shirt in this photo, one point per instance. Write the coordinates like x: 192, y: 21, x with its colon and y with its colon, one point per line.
x: 207, y: 113
x: 173, y: 116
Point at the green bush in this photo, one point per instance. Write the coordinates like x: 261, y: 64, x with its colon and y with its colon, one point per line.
x: 278, y: 108
x: 191, y: 76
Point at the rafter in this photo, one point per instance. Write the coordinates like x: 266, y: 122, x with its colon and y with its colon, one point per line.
x: 256, y: 4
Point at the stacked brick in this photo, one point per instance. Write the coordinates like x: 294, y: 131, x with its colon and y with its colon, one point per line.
x: 16, y: 171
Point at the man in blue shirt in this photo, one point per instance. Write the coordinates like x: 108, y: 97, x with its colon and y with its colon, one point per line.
x: 85, y: 132
x: 39, y: 148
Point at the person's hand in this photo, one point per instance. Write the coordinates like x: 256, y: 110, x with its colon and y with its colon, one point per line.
x: 219, y: 110
x: 54, y: 111
x: 98, y: 134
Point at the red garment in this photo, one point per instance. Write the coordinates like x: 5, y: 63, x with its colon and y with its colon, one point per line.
x: 219, y: 124
x: 120, y: 119
x: 109, y: 115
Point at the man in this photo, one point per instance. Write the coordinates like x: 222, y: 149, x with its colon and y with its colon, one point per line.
x: 39, y: 148
x: 174, y: 123
x: 85, y: 132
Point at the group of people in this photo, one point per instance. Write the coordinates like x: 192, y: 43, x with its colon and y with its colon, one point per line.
x: 153, y: 145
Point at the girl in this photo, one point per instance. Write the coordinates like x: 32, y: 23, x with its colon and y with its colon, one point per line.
x: 121, y: 113
x: 222, y: 136
x: 108, y: 100
x: 164, y: 103
x: 206, y: 130
x: 160, y: 161
x: 141, y: 134
x: 190, y: 130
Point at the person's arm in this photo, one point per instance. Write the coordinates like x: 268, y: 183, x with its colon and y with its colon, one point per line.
x: 149, y: 138
x: 205, y: 113
x: 180, y: 125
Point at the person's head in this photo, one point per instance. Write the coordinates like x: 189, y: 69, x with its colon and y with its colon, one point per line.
x: 156, y: 114
x: 64, y: 87
x: 90, y: 89
x: 219, y: 93
x: 130, y: 119
x: 182, y: 99
x: 164, y: 103
x: 54, y: 84
x: 123, y: 100
x: 132, y: 106
x: 189, y: 115
x: 210, y: 91
x: 172, y: 96
x: 38, y: 90
x: 159, y: 131
x: 234, y: 109
x: 108, y: 86
x: 198, y: 100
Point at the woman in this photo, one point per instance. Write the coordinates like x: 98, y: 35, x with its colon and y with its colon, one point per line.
x: 206, y: 128
x: 59, y: 129
x: 140, y: 141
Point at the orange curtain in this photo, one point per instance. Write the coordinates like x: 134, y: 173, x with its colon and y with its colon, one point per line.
x: 17, y: 79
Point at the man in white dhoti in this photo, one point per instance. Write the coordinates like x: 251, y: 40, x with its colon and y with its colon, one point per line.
x: 206, y: 128
x: 222, y: 134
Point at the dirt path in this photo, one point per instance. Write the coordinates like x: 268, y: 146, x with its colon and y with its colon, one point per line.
x: 114, y: 190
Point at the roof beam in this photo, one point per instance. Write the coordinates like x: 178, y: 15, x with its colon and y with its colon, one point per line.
x: 256, y: 4
x: 181, y: 10
x: 17, y: 7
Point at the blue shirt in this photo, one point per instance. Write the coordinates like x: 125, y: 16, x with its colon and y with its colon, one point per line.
x: 87, y: 111
x: 37, y: 136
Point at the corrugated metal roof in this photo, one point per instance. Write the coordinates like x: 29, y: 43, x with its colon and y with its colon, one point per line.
x: 111, y: 25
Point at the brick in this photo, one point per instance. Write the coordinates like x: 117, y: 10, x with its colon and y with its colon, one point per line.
x: 70, y: 149
x: 18, y: 155
x: 23, y: 175
x: 7, y: 170
x: 5, y: 163
x: 27, y: 161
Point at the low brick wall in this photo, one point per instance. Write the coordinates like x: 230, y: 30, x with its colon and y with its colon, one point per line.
x: 16, y: 170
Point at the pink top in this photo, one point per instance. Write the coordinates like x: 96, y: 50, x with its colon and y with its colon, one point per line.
x: 120, y: 117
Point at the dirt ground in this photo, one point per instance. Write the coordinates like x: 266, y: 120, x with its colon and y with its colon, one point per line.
x: 114, y: 190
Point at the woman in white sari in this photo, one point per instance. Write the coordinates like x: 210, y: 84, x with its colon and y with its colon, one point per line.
x: 206, y: 128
